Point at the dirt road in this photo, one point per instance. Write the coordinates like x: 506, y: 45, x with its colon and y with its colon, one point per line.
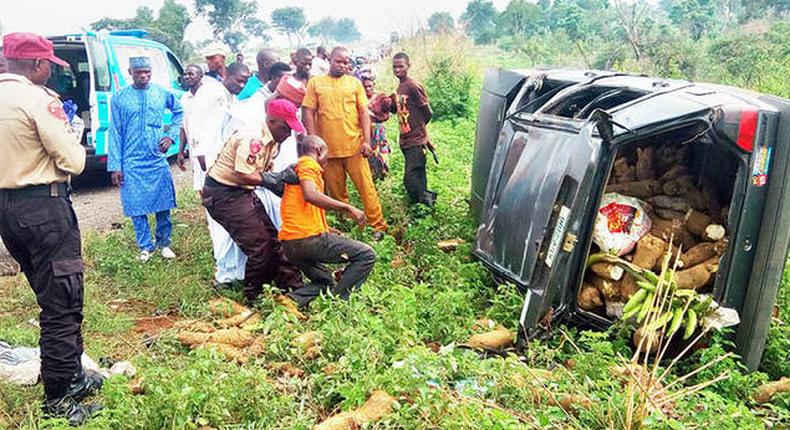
x: 98, y: 207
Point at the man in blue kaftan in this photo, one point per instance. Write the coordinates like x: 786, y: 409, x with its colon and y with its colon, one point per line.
x: 136, y: 155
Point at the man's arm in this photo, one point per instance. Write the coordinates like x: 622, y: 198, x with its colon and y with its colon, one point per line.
x: 308, y: 117
x: 182, y: 143
x: 427, y: 113
x: 364, y: 121
x: 317, y: 198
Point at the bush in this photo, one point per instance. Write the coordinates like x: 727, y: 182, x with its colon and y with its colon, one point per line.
x: 448, y: 87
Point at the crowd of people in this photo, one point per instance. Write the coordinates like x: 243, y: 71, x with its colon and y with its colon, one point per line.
x: 270, y: 151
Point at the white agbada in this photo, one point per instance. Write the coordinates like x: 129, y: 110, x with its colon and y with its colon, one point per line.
x: 208, y: 129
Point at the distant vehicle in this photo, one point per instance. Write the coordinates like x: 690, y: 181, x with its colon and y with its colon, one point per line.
x: 545, y: 154
x: 99, y: 64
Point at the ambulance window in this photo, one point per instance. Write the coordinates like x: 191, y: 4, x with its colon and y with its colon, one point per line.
x: 176, y: 72
x: 101, y: 72
x: 160, y: 70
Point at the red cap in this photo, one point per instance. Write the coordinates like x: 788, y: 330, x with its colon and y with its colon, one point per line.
x: 29, y: 46
x: 286, y: 111
x: 291, y: 89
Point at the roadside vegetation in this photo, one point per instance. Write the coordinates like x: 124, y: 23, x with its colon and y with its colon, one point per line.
x: 400, y: 334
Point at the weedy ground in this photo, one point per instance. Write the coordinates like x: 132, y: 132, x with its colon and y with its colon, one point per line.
x: 388, y: 336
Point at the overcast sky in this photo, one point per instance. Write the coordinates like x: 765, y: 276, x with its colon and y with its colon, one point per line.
x: 375, y: 18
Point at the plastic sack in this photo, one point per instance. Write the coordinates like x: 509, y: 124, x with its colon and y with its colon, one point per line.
x: 620, y: 223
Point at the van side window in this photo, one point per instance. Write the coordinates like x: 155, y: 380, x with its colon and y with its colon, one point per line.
x: 176, y: 71
x: 160, y: 69
x: 101, y: 71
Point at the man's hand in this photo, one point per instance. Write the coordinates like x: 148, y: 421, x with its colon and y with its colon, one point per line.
x: 357, y: 215
x: 181, y: 161
x: 202, y: 161
x: 117, y: 178
x: 365, y: 149
x: 164, y: 144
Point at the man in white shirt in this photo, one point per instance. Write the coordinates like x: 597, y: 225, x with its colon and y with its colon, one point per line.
x: 208, y: 130
x: 193, y: 76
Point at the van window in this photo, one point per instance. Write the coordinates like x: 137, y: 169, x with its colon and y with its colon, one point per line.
x: 101, y: 71
x: 160, y: 69
x: 176, y: 72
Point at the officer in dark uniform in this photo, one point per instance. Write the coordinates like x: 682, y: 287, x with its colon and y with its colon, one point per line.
x: 37, y: 223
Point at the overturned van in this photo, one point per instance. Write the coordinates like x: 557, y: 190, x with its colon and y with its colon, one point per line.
x: 551, y: 144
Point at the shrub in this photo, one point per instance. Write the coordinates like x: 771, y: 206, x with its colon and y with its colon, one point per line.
x: 448, y: 86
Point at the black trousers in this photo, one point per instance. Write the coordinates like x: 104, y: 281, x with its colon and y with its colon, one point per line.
x: 43, y: 236
x: 311, y: 253
x: 242, y: 214
x: 414, y: 177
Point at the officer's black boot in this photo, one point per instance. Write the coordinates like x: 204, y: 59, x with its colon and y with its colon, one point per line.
x: 84, y: 384
x: 428, y: 198
x: 68, y: 408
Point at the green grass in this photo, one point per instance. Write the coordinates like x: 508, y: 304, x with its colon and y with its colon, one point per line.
x: 416, y: 298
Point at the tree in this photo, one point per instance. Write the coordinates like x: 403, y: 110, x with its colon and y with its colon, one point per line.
x: 168, y: 28
x: 345, y: 31
x: 479, y: 19
x: 520, y: 18
x: 632, y: 17
x: 323, y: 29
x: 290, y: 21
x: 441, y: 22
x: 233, y: 21
x: 695, y: 16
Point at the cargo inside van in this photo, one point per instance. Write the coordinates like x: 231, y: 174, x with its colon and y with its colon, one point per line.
x: 74, y: 82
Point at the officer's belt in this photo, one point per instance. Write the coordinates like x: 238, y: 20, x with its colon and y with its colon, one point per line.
x: 46, y: 190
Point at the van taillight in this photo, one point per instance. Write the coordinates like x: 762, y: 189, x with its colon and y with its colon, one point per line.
x: 747, y: 129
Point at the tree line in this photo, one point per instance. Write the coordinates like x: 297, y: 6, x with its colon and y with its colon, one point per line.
x: 235, y: 22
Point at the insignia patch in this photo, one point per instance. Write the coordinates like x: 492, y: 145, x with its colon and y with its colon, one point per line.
x: 55, y: 108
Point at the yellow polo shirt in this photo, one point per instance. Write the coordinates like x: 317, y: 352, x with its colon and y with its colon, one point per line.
x: 336, y: 101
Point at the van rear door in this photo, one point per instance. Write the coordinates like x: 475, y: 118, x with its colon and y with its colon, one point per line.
x: 99, y: 93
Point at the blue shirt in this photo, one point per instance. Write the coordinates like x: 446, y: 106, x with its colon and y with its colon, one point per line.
x: 253, y: 85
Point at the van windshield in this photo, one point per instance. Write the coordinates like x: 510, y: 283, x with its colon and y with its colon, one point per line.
x: 160, y: 69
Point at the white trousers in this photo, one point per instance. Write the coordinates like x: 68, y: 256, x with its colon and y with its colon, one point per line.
x: 231, y: 261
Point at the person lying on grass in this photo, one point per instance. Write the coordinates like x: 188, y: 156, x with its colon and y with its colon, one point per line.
x: 305, y: 237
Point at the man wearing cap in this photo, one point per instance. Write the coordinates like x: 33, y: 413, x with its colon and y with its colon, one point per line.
x: 136, y: 155
x: 266, y: 58
x: 335, y: 108
x: 215, y: 55
x: 37, y: 223
x: 209, y: 128
x: 229, y: 197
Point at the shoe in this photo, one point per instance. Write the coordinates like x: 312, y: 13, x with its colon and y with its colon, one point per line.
x: 144, y: 256
x: 168, y: 253
x: 378, y: 235
x: 84, y: 384
x: 68, y: 408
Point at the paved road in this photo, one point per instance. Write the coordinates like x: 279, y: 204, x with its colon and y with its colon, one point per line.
x: 97, y: 205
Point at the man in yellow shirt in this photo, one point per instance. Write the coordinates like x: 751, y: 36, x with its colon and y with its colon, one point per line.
x: 335, y: 108
x: 305, y: 236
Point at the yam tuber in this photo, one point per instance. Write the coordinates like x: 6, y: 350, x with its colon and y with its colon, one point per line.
x: 623, y: 172
x: 766, y: 392
x: 231, y: 336
x: 669, y: 214
x: 235, y: 320
x: 704, y: 252
x: 608, y: 271
x: 608, y: 288
x: 673, y: 230
x: 669, y: 156
x: 649, y: 251
x: 225, y: 307
x: 647, y: 340
x: 714, y: 232
x: 638, y: 189
x: 644, y: 164
x: 492, y: 340
x: 675, y: 172
x: 678, y: 204
x: 375, y: 408
x: 589, y: 297
x: 628, y: 287
x: 696, y: 222
x: 230, y: 352
x: 697, y: 276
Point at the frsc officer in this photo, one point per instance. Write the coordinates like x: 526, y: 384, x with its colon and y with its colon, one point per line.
x: 37, y: 223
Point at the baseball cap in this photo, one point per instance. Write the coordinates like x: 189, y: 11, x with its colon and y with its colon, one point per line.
x: 215, y: 48
x: 29, y: 46
x: 286, y: 111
